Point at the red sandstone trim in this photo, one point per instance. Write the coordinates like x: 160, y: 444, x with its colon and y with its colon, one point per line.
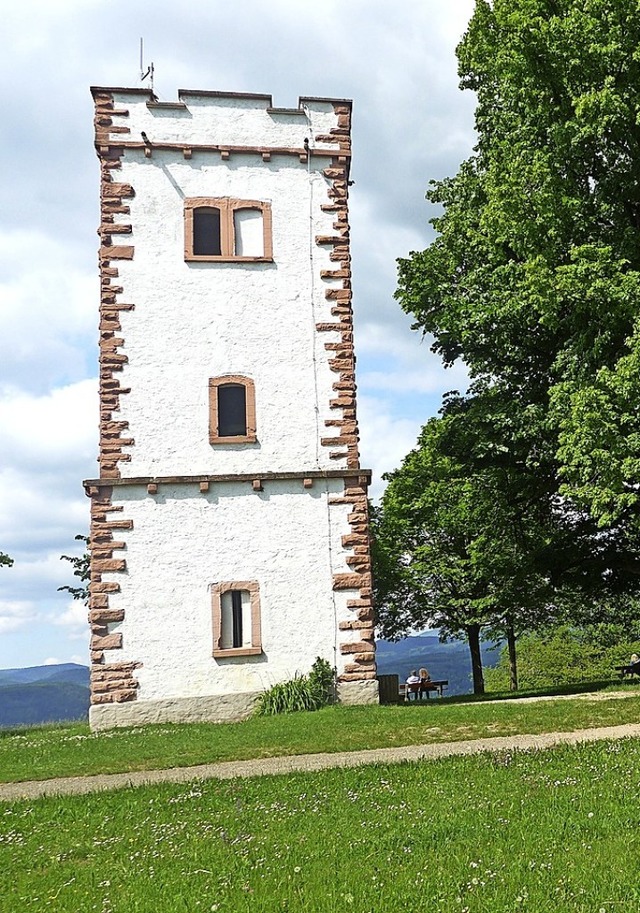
x: 343, y: 441
x: 360, y: 650
x: 110, y: 682
x: 343, y: 437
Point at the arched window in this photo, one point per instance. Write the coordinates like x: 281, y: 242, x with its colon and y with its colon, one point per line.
x: 232, y: 410
x: 226, y: 229
x: 206, y: 232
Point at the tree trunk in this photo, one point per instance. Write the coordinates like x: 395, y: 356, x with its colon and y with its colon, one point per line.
x: 473, y: 636
x: 513, y: 659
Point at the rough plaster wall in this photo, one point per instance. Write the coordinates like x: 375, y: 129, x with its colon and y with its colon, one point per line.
x: 183, y: 541
x: 199, y: 320
x: 228, y: 121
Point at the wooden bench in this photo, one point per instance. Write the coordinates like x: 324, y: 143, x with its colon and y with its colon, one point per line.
x: 628, y: 670
x: 392, y: 692
x: 437, y: 686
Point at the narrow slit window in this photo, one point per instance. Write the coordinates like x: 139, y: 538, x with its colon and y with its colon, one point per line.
x: 206, y: 232
x: 232, y: 410
x: 236, y: 619
x: 236, y: 612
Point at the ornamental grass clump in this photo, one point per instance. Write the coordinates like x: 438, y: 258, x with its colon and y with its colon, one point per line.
x: 304, y: 692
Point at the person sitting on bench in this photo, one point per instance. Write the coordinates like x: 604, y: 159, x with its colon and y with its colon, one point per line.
x: 413, y: 686
x: 634, y: 666
x: 425, y: 683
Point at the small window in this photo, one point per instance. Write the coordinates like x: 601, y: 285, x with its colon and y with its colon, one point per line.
x: 232, y: 410
x: 227, y: 229
x: 206, y: 232
x: 236, y: 619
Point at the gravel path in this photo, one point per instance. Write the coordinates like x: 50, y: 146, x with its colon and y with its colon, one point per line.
x: 226, y: 770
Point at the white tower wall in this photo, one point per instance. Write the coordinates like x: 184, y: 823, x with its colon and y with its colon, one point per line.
x: 182, y: 514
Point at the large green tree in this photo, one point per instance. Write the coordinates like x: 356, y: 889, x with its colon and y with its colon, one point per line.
x: 534, y: 277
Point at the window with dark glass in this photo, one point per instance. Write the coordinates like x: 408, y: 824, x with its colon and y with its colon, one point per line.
x: 236, y: 619
x: 206, y: 232
x: 227, y: 229
x: 232, y: 410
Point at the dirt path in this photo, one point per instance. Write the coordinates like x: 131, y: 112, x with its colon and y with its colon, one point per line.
x: 226, y: 770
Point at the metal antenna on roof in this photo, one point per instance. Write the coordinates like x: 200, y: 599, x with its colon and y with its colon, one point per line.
x: 149, y: 70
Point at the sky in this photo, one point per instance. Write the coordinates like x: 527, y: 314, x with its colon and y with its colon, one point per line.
x: 412, y: 124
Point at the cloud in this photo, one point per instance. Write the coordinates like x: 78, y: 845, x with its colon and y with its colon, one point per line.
x: 48, y: 312
x: 384, y: 438
x: 50, y: 431
x: 74, y: 616
x: 16, y: 614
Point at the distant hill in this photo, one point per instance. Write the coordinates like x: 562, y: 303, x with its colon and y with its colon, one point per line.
x: 43, y: 694
x: 449, y: 661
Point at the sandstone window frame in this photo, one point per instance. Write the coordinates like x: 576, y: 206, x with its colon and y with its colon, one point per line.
x: 217, y: 592
x: 250, y: 437
x: 227, y: 207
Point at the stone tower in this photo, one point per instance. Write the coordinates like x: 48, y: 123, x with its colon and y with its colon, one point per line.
x: 229, y: 535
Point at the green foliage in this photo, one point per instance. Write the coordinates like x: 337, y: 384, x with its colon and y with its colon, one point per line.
x: 81, y: 570
x: 534, y: 278
x: 322, y: 679
x: 461, y: 540
x: 304, y: 692
x: 5, y: 560
x: 566, y: 655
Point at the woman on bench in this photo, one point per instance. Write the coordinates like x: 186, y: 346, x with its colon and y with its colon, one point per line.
x: 425, y: 685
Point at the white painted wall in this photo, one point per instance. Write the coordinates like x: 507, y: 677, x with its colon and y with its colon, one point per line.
x: 183, y: 541
x: 193, y: 321
x: 227, y: 121
x: 199, y: 320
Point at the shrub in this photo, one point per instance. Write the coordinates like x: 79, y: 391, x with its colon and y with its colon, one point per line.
x: 565, y: 655
x: 304, y: 692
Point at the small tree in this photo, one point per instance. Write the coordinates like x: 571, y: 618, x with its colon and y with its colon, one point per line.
x: 81, y: 570
x: 5, y: 560
x: 459, y: 537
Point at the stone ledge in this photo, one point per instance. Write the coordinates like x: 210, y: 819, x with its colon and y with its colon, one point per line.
x: 212, y: 708
x: 359, y: 692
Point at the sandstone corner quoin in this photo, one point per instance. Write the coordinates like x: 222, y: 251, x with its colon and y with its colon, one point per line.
x: 229, y: 528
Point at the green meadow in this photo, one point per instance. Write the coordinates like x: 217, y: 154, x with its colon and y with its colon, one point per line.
x: 542, y: 831
x: 72, y: 750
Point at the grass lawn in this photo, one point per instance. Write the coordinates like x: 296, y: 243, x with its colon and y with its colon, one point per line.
x: 41, y: 753
x: 541, y: 831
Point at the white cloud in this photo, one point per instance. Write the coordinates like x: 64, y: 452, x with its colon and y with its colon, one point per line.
x: 49, y: 431
x: 384, y: 438
x: 74, y: 616
x: 48, y: 311
x: 15, y: 614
